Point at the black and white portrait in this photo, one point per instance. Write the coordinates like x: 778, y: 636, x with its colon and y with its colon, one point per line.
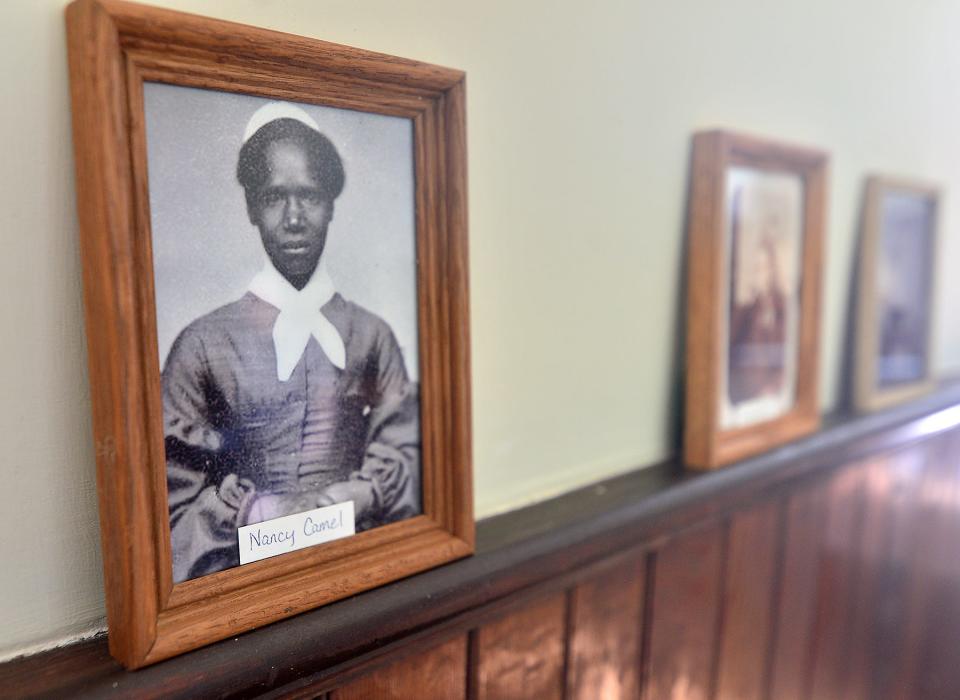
x: 284, y: 253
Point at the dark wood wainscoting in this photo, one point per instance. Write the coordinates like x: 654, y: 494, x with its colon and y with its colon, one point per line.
x: 829, y: 569
x: 848, y: 587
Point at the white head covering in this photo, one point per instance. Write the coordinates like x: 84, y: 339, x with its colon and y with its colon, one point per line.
x: 277, y: 110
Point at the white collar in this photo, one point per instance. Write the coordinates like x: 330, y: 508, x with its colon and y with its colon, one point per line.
x: 300, y: 317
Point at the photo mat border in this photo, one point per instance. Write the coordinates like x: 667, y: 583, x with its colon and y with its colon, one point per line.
x: 731, y: 413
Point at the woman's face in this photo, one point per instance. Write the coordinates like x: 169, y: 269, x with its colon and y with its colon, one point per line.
x: 292, y: 212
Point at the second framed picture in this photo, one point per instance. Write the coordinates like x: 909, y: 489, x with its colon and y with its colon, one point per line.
x: 756, y: 216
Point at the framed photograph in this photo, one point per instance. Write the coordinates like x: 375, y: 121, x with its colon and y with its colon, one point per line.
x: 895, y: 296
x: 756, y: 216
x: 274, y: 242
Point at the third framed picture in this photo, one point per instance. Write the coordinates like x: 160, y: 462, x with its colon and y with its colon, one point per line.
x: 895, y: 294
x: 756, y: 216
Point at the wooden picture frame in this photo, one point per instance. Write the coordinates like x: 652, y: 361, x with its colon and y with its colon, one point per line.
x: 114, y: 47
x: 872, y: 322
x: 798, y: 177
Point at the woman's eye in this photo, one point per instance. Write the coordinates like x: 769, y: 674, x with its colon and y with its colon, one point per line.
x: 271, y: 198
x: 312, y: 197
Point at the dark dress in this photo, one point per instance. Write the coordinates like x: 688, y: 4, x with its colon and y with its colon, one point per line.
x: 758, y: 350
x: 240, y: 441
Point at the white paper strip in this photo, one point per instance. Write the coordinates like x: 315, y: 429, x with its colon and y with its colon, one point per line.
x: 292, y: 532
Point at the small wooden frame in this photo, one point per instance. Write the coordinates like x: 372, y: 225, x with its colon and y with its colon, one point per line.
x: 894, y: 316
x: 737, y: 183
x: 113, y: 48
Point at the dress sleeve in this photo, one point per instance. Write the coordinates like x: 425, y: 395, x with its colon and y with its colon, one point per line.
x: 391, y: 460
x: 204, y: 492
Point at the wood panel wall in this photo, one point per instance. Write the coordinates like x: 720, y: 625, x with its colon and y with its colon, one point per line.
x: 826, y: 570
x: 847, y: 586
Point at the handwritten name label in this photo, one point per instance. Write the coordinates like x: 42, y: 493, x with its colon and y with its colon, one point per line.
x: 292, y: 532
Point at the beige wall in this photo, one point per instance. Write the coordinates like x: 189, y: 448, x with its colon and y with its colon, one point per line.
x: 579, y: 122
